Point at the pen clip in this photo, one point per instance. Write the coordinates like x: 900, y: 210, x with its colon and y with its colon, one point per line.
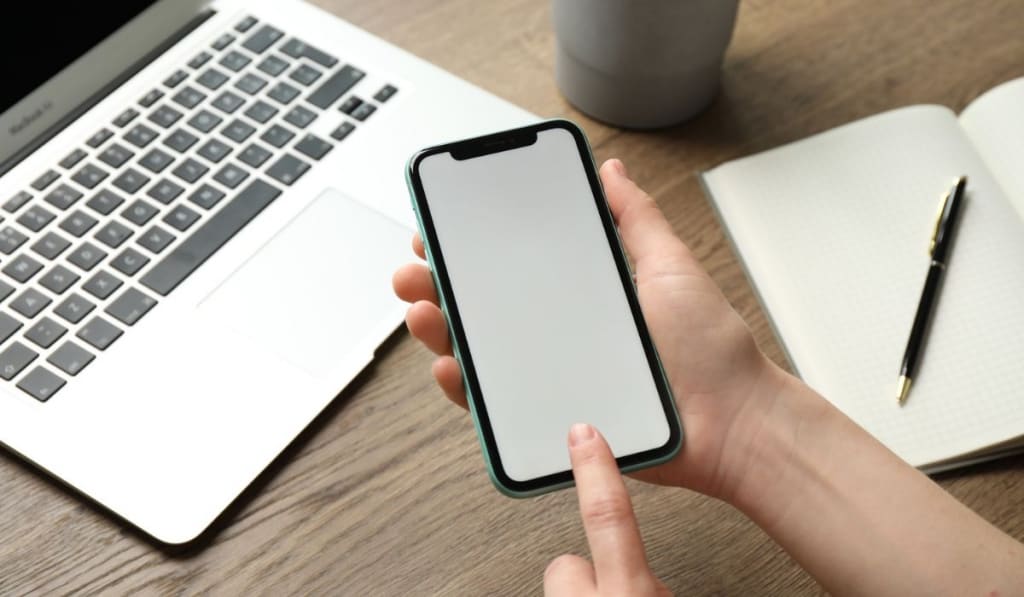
x: 938, y: 219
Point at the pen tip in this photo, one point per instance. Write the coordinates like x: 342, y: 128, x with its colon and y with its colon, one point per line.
x: 904, y: 385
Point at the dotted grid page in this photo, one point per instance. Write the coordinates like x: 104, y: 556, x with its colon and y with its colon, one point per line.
x: 995, y: 123
x: 834, y: 232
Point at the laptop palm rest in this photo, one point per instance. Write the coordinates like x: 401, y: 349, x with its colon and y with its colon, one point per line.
x: 294, y: 297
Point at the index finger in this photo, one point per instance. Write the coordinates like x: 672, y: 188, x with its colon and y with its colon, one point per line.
x: 607, y: 512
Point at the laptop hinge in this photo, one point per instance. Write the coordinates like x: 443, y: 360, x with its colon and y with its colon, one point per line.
x: 103, y: 92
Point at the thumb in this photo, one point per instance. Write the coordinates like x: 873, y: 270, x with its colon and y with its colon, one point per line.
x: 644, y: 229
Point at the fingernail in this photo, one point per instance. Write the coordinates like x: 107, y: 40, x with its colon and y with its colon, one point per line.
x: 579, y: 433
x: 619, y: 167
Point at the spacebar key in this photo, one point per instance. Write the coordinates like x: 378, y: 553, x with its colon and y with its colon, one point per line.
x: 209, y: 237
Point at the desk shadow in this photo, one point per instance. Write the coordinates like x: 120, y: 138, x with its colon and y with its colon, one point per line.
x: 228, y: 516
x: 1013, y: 463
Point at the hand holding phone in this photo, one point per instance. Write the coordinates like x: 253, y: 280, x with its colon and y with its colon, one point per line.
x: 539, y: 298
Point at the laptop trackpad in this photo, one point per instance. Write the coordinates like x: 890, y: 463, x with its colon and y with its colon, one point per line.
x: 320, y: 288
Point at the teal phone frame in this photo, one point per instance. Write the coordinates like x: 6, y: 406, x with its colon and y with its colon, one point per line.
x: 494, y: 143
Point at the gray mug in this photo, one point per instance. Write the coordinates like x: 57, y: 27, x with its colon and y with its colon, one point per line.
x: 641, y: 63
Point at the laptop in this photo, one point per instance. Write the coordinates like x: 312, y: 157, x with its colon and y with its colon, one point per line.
x: 202, y: 206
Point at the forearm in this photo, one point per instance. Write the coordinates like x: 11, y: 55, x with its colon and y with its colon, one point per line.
x: 855, y: 516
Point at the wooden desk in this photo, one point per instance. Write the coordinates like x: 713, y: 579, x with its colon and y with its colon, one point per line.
x: 386, y: 493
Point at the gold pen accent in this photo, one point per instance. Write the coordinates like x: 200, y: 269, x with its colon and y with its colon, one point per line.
x: 904, y: 389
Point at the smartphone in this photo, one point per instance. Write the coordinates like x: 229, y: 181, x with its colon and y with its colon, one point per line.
x: 540, y: 304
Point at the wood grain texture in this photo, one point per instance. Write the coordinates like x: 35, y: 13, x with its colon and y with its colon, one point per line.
x: 386, y: 493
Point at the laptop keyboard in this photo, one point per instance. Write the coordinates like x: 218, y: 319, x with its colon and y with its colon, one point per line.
x: 97, y: 241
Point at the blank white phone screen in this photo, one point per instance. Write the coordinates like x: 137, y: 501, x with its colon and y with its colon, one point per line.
x: 545, y: 315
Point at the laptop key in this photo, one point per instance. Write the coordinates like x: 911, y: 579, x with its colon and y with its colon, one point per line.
x: 254, y: 155
x: 180, y: 140
x: 264, y: 37
x: 273, y: 65
x: 78, y: 223
x: 105, y: 202
x: 22, y: 268
x: 131, y: 180
x: 156, y: 160
x: 5, y: 291
x: 287, y: 169
x: 74, y: 308
x: 181, y: 218
x: 199, y: 60
x: 30, y: 302
x: 70, y: 358
x: 349, y: 105
x: 300, y: 117
x: 99, y: 333
x: 58, y: 279
x: 45, y: 332
x: 206, y: 196
x: 50, y: 246
x: 14, y: 203
x: 222, y: 42
x: 283, y: 93
x: 151, y: 98
x: 125, y: 117
x: 305, y: 75
x: 72, y: 159
x: 140, y: 136
x: 102, y: 284
x: 277, y: 135
x: 234, y: 61
x: 113, y: 234
x: 342, y: 131
x: 155, y: 239
x: 45, y: 179
x: 86, y: 256
x: 175, y: 79
x: 261, y: 111
x: 41, y: 383
x: 115, y: 155
x: 297, y: 49
x: 89, y: 176
x: 385, y: 93
x: 190, y: 170
x: 245, y: 24
x: 139, y: 212
x: 228, y: 102
x: 164, y: 191
x: 204, y: 121
x: 8, y: 325
x: 251, y: 84
x: 214, y: 150
x: 335, y: 86
x: 15, y: 358
x: 130, y: 306
x: 129, y: 262
x: 98, y: 138
x: 194, y: 250
x: 238, y: 131
x: 212, y: 79
x: 231, y: 176
x: 164, y: 116
x: 364, y: 111
x: 189, y: 97
x: 35, y: 218
x: 10, y: 240
x: 313, y: 146
x: 63, y: 197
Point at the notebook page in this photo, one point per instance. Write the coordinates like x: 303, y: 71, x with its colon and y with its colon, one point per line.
x: 834, y: 230
x: 995, y: 123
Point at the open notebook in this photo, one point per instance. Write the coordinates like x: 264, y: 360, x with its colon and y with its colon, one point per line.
x: 833, y: 231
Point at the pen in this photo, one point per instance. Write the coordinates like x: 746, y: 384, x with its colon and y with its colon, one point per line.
x: 942, y: 238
